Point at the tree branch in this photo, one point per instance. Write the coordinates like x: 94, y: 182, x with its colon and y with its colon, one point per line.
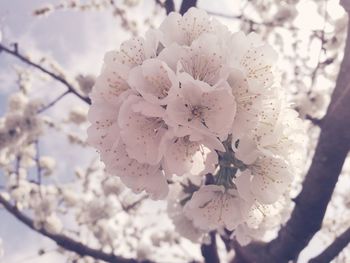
x: 52, y: 103
x: 333, y: 249
x: 64, y: 241
x: 53, y: 75
x: 247, y: 254
x: 210, y: 252
x: 187, y: 4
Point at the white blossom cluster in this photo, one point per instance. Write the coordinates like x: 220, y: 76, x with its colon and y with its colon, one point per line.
x: 21, y: 123
x: 196, y: 107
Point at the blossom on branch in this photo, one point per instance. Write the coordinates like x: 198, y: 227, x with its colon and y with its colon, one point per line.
x: 198, y: 110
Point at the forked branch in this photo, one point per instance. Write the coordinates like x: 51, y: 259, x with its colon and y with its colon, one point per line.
x: 64, y: 241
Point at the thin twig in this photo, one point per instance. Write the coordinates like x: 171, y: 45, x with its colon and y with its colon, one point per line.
x: 333, y: 250
x: 55, y: 76
x: 52, y: 103
x: 127, y: 208
x: 322, y: 49
x: 38, y: 167
x: 36, y: 256
x: 17, y: 167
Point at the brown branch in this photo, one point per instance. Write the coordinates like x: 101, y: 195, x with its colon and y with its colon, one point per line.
x: 333, y: 249
x: 247, y: 254
x: 187, y: 4
x: 53, y: 75
x: 64, y: 241
x: 210, y: 252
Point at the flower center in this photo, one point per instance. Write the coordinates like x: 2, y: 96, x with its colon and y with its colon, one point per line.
x: 228, y: 166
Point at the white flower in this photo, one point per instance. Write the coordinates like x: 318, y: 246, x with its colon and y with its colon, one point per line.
x: 21, y: 124
x: 112, y: 186
x: 20, y: 191
x: 104, y: 130
x: 262, y: 128
x: 206, y: 109
x: 53, y: 224
x: 47, y: 165
x: 313, y: 104
x: 153, y: 80
x: 134, y: 51
x: 205, y: 60
x: 287, y: 139
x: 42, y: 207
x: 260, y: 219
x: 265, y: 180
x: 112, y: 81
x: 135, y: 175
x: 183, y: 30
x: 212, y: 206
x: 95, y: 209
x: 279, y: 131
x: 17, y: 102
x: 77, y: 115
x: 249, y: 104
x: 189, y: 152
x: 142, y: 129
x: 70, y: 197
x: 254, y: 58
x: 183, y: 224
